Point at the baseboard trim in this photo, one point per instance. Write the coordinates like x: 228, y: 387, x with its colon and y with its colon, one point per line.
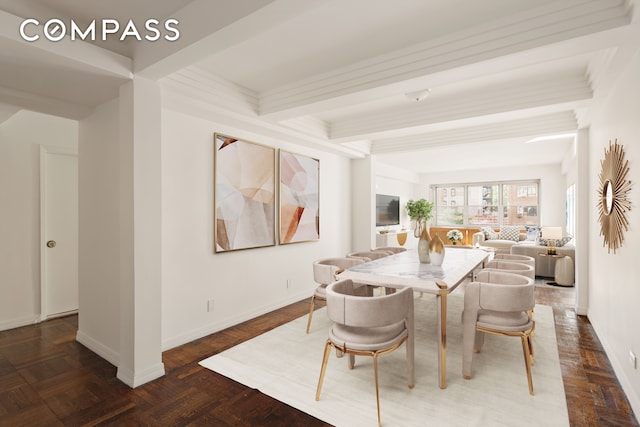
x: 625, y: 382
x: 227, y: 322
x: 98, y: 348
x: 19, y: 322
x: 135, y: 379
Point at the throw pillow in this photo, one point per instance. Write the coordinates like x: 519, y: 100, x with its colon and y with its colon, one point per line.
x: 489, y: 233
x: 533, y: 232
x: 510, y: 232
x: 559, y: 242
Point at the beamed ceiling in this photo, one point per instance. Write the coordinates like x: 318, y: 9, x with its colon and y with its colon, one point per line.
x: 334, y: 74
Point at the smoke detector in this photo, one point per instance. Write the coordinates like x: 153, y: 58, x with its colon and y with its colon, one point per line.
x: 418, y: 95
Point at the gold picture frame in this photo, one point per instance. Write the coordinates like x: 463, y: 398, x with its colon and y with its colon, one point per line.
x: 244, y: 194
x: 299, y: 193
x: 613, y: 196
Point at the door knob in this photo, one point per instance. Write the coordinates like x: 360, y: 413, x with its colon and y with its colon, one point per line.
x: 51, y: 244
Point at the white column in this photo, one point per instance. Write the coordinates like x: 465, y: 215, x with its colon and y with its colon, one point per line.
x: 140, y: 228
x: 363, y: 204
x: 582, y: 222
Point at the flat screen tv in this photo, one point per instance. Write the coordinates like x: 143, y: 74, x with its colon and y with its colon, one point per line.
x: 387, y: 210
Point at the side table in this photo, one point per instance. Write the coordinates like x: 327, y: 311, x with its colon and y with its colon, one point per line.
x: 565, y: 275
x: 561, y: 266
x: 548, y: 265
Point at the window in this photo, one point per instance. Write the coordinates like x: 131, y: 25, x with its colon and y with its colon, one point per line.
x: 449, y: 205
x: 495, y: 204
x: 517, y: 209
x: 482, y: 204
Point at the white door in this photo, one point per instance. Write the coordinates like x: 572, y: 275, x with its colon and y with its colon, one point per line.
x: 59, y: 231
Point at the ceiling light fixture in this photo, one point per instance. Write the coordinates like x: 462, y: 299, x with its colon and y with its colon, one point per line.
x: 418, y: 95
x: 553, y: 137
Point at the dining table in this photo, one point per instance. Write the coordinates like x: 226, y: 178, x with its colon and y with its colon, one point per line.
x: 404, y: 269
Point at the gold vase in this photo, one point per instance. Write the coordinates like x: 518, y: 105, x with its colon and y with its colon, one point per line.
x: 436, y: 251
x: 423, y: 246
x: 402, y: 238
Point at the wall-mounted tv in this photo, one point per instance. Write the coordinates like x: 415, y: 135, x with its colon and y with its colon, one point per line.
x: 387, y: 210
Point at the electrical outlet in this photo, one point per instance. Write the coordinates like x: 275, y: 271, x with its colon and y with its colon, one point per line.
x: 210, y: 305
x: 633, y: 360
x: 288, y: 283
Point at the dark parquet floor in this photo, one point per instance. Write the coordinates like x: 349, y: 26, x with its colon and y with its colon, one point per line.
x: 48, y: 379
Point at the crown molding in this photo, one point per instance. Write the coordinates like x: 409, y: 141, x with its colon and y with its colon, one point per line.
x: 208, y: 87
x: 209, y: 97
x: 308, y: 125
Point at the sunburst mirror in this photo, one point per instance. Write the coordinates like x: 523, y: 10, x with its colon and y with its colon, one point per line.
x: 613, y: 196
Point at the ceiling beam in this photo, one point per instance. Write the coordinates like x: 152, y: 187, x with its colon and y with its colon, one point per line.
x: 564, y: 121
x: 79, y: 54
x: 43, y: 104
x: 450, y: 58
x: 544, y: 91
x: 7, y: 111
x: 207, y: 27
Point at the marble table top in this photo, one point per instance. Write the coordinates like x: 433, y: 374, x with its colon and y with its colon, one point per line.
x: 404, y: 269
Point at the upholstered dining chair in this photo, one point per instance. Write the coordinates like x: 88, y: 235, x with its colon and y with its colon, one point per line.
x: 507, y: 262
x: 324, y: 273
x: 512, y: 267
x: 392, y: 249
x: 368, y: 326
x: 372, y: 255
x: 497, y: 303
x: 522, y: 259
x: 369, y: 255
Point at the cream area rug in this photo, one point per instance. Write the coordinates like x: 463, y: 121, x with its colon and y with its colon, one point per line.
x: 284, y: 363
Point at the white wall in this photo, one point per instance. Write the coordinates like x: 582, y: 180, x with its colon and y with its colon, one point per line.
x: 615, y: 277
x: 99, y: 226
x: 397, y: 182
x: 552, y: 185
x: 20, y: 140
x: 390, y: 180
x: 242, y: 283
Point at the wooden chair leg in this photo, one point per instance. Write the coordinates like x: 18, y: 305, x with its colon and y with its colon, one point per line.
x: 527, y: 361
x: 325, y: 359
x: 313, y: 306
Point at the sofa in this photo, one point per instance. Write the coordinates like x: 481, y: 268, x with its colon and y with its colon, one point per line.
x: 501, y: 241
x: 511, y: 239
x: 545, y: 265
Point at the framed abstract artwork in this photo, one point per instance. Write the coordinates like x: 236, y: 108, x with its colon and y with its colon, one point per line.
x: 244, y: 194
x: 299, y: 198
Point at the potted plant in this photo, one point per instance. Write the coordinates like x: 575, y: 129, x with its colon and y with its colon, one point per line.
x: 419, y: 211
x: 454, y: 236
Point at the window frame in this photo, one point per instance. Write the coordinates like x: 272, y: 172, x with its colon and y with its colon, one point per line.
x: 502, y: 207
x: 571, y: 210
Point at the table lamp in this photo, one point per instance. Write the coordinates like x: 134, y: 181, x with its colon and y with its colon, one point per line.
x: 551, y: 234
x: 476, y: 240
